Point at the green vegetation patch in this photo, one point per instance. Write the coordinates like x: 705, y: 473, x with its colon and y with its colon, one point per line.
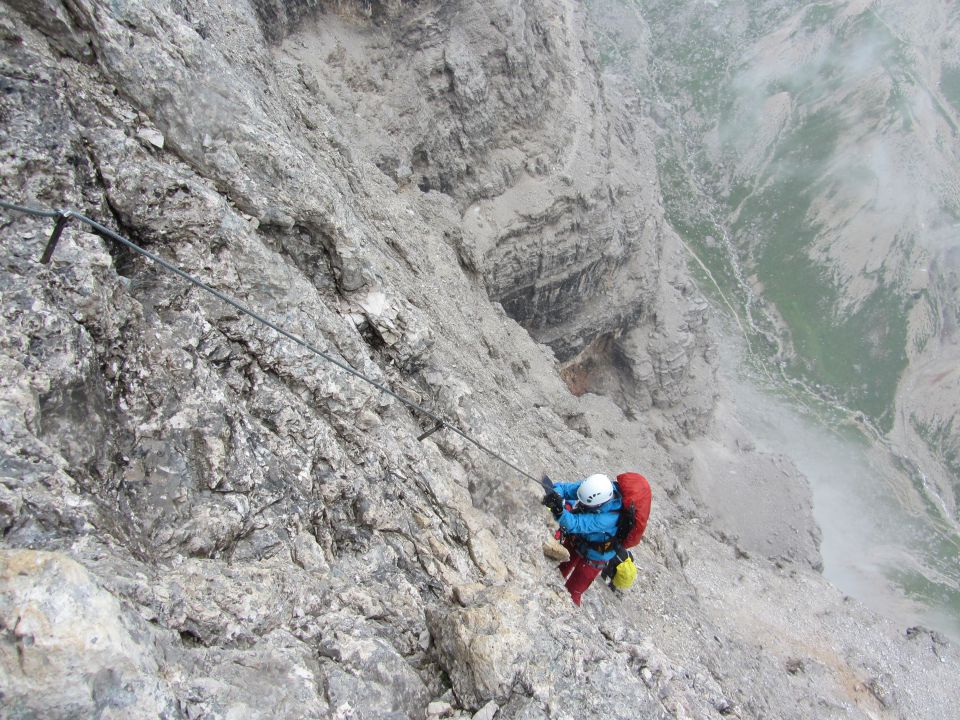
x: 950, y: 84
x: 686, y: 214
x: 927, y: 591
x: 819, y: 15
x: 859, y: 356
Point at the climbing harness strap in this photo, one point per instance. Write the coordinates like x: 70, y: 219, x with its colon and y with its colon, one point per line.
x: 601, y: 546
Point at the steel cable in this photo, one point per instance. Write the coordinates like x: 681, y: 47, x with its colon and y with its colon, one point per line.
x: 64, y: 216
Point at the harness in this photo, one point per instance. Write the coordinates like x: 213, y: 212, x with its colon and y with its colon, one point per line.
x: 601, y: 546
x: 625, y: 523
x: 580, y: 543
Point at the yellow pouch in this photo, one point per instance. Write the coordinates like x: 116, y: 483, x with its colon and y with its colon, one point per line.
x: 626, y: 574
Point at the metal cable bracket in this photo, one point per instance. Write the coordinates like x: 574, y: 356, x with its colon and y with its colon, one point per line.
x: 63, y: 218
x: 431, y: 431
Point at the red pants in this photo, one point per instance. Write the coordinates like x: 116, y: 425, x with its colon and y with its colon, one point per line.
x: 579, y: 573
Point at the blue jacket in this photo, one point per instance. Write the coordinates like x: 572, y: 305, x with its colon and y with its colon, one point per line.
x: 596, y: 526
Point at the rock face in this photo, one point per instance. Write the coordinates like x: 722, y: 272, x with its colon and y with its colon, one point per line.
x: 202, y: 519
x: 498, y: 107
x: 484, y: 647
x: 103, y: 661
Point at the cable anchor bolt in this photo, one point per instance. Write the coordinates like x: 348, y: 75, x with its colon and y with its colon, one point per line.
x: 431, y: 431
x: 62, y: 219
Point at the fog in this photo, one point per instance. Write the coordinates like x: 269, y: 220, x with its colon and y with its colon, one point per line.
x: 880, y: 543
x: 822, y: 143
x: 887, y: 173
x: 879, y: 168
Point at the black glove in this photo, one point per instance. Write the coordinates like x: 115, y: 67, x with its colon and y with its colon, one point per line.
x: 553, y: 501
x: 610, y: 570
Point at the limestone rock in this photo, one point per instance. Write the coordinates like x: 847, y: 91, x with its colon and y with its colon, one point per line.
x: 486, y: 554
x: 482, y: 647
x: 151, y: 136
x: 62, y: 631
x: 555, y: 551
x: 439, y: 708
x: 466, y: 595
x: 371, y: 680
x: 251, y: 531
x: 278, y: 676
x: 487, y: 712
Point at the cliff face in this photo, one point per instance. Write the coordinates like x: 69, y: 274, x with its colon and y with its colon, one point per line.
x: 503, y: 108
x: 201, y: 519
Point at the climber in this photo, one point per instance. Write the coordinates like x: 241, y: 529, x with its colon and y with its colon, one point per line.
x: 588, y: 525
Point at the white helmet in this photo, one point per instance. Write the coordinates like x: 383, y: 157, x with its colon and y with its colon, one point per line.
x: 595, y: 490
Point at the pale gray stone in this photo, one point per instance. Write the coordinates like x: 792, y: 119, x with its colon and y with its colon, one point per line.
x: 487, y: 712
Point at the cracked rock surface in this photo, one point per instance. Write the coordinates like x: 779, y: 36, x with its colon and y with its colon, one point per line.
x: 202, y: 519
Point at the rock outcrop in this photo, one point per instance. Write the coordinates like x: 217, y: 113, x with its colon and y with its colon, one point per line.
x: 57, y: 637
x: 202, y: 519
x: 500, y: 108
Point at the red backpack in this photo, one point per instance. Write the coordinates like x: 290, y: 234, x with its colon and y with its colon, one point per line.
x: 636, y: 496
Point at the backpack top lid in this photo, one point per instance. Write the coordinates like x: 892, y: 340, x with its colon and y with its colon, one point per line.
x: 635, y: 491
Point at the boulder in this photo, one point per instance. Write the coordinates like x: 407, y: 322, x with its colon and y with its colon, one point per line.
x: 70, y: 649
x: 483, y: 647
